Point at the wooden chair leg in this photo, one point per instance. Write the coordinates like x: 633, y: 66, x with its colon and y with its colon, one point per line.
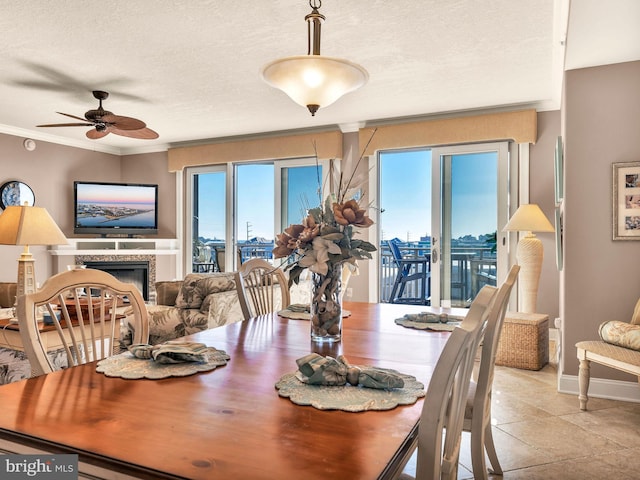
x: 584, y: 374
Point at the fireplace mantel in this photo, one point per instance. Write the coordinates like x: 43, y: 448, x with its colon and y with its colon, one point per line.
x: 164, y: 254
x: 117, y: 246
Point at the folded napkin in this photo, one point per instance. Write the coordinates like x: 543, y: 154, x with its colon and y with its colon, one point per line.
x: 425, y: 317
x: 299, y: 307
x: 314, y: 369
x: 172, y: 351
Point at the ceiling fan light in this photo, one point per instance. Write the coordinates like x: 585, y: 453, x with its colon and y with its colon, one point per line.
x: 314, y: 79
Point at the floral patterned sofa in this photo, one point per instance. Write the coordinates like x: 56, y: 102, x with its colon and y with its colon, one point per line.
x: 199, y: 302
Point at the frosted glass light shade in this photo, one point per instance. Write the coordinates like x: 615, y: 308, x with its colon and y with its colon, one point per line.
x: 314, y: 81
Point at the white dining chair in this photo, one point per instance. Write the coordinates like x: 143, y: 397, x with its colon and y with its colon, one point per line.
x: 477, y: 418
x: 440, y: 431
x: 265, y: 288
x: 84, y: 306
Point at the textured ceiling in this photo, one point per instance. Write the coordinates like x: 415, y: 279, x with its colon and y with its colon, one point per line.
x: 191, y: 69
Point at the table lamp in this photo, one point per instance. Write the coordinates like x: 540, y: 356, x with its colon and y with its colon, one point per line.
x: 25, y: 225
x: 529, y: 218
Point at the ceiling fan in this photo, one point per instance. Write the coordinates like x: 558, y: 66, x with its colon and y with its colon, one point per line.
x: 105, y: 122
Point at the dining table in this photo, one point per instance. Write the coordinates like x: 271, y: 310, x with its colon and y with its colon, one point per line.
x: 231, y: 422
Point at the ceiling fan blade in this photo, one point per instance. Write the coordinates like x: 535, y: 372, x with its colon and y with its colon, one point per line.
x: 67, y: 125
x: 143, y: 133
x: 94, y: 134
x: 124, y: 123
x: 73, y: 116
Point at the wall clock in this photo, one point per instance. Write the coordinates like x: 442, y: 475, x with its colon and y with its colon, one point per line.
x: 16, y: 193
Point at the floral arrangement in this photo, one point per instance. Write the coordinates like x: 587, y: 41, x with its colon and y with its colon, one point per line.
x: 326, y: 237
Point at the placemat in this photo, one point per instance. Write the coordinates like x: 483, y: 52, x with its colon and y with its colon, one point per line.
x: 437, y: 327
x: 420, y: 321
x: 125, y: 365
x: 349, y: 398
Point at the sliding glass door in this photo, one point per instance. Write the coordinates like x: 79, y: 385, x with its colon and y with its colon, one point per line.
x: 442, y: 208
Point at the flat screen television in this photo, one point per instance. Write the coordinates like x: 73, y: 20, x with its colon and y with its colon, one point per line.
x: 115, y: 208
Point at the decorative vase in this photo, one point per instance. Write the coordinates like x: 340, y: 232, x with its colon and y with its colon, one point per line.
x: 326, y: 305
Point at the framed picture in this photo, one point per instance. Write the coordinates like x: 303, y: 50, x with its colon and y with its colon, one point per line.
x: 559, y: 171
x: 559, y: 240
x: 626, y: 201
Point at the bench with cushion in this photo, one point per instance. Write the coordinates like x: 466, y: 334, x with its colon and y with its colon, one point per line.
x: 613, y: 353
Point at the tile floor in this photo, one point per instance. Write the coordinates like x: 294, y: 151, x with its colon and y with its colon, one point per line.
x: 542, y: 434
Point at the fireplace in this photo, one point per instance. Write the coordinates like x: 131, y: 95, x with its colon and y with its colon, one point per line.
x: 138, y: 271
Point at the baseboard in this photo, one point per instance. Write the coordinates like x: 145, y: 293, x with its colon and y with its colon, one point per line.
x: 601, y: 388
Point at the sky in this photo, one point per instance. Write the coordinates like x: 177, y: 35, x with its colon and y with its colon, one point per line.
x: 405, y: 194
x: 405, y: 197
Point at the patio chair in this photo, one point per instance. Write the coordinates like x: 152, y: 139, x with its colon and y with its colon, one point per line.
x: 219, y: 258
x: 265, y: 288
x: 83, y: 307
x: 410, y: 270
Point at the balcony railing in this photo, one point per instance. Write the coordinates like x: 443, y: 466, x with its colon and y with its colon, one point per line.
x: 472, y: 267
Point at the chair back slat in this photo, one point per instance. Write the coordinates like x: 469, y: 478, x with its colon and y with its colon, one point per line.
x: 265, y: 288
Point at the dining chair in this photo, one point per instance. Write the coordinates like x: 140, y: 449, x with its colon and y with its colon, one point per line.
x: 85, y: 307
x: 477, y: 416
x: 265, y: 288
x: 440, y: 431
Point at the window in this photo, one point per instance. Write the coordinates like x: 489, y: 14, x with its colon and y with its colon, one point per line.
x: 265, y: 198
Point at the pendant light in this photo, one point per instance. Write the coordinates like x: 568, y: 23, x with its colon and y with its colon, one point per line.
x: 314, y: 81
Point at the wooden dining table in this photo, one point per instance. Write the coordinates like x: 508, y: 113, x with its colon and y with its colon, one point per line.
x: 230, y: 422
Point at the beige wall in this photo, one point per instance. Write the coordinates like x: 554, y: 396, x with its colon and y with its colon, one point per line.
x: 601, y: 279
x: 50, y: 171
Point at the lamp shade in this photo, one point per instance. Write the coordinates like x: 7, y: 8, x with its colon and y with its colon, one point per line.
x: 314, y: 79
x: 24, y: 225
x: 528, y: 218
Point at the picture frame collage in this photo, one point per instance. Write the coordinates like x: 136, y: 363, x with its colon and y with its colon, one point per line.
x: 626, y: 201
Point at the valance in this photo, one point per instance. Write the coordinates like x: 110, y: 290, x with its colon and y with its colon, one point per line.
x: 520, y: 126
x: 328, y: 144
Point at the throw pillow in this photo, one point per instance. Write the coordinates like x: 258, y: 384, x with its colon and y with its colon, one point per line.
x: 622, y: 334
x: 197, y: 286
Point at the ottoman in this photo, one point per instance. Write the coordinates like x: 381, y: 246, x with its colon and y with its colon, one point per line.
x: 524, y: 342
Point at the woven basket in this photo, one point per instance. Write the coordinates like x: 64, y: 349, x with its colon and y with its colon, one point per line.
x: 524, y: 342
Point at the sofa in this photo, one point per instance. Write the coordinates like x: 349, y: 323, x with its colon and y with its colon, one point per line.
x: 183, y: 307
